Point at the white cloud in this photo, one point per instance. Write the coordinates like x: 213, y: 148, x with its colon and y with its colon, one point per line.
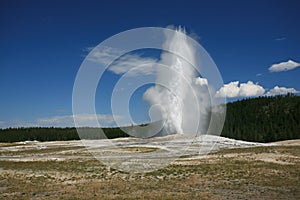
x: 17, y: 123
x: 250, y: 89
x: 284, y: 66
x: 280, y: 90
x: 83, y: 119
x: 131, y: 63
x: 233, y: 90
x: 105, y: 56
x: 280, y: 39
x: 259, y: 74
x: 2, y: 124
x: 229, y: 90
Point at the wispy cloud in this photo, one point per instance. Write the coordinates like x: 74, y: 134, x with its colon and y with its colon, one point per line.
x: 104, y: 56
x: 284, y: 66
x: 259, y: 74
x: 17, y: 123
x: 84, y: 120
x: 132, y: 63
x: 280, y: 91
x: 2, y: 123
x: 234, y: 90
x: 63, y: 111
x: 280, y: 39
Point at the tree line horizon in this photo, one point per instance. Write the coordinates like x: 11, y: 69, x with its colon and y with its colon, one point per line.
x: 261, y: 119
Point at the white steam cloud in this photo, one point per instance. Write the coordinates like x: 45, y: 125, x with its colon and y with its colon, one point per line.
x: 177, y: 90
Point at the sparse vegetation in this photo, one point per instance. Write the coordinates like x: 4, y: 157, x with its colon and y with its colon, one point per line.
x: 217, y: 177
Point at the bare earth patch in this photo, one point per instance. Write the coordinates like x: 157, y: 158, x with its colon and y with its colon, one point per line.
x: 140, y: 149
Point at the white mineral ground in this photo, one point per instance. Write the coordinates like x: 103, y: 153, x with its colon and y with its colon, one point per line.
x: 188, y: 148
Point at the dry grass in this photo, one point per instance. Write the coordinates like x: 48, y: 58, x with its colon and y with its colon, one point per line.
x: 218, y: 176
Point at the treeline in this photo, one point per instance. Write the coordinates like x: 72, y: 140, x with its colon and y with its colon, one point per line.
x: 57, y: 134
x: 263, y: 119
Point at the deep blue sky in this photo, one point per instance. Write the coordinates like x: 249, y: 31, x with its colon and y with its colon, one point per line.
x: 42, y: 44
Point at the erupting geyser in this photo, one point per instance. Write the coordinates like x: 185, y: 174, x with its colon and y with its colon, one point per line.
x: 176, y: 90
x: 182, y: 100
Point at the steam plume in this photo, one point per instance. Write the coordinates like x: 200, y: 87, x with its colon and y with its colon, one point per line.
x: 177, y: 90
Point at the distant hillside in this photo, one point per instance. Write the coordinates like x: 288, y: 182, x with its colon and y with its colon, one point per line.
x: 263, y: 119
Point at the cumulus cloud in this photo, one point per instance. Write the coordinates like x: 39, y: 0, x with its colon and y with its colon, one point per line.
x: 284, y: 66
x: 281, y: 91
x: 229, y: 90
x: 233, y: 90
x: 250, y: 89
x: 131, y: 63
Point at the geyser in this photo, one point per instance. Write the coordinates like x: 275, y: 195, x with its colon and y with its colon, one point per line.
x: 180, y: 98
x: 176, y: 89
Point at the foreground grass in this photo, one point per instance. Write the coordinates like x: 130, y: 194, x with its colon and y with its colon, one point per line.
x: 216, y: 177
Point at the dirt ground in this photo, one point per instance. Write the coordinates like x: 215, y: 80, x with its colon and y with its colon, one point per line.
x: 30, y: 171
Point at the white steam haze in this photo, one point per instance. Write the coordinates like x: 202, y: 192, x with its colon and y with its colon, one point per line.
x: 177, y: 88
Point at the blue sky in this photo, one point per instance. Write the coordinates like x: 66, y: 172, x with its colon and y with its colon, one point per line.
x: 42, y: 45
